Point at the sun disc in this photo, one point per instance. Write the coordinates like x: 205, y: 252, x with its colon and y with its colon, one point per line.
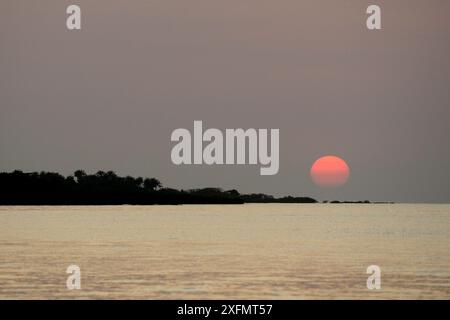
x: 330, y: 171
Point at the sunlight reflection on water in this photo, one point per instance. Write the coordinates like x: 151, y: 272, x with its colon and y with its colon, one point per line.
x: 269, y: 251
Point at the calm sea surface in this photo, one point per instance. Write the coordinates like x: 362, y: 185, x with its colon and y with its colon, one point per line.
x: 269, y: 251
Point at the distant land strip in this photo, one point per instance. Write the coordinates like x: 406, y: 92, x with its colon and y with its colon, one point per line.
x: 107, y: 188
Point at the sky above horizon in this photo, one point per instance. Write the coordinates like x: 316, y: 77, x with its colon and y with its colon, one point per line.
x: 108, y: 97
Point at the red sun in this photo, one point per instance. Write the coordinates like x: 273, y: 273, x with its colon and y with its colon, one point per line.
x: 330, y: 171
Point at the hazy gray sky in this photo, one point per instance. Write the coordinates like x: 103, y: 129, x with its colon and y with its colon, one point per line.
x: 109, y: 96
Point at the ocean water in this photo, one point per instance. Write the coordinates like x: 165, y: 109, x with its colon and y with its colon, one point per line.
x: 260, y: 251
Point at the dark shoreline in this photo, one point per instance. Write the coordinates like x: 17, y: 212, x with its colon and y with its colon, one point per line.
x: 107, y: 188
x: 18, y: 188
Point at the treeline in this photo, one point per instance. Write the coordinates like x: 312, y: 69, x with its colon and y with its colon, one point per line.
x: 107, y: 188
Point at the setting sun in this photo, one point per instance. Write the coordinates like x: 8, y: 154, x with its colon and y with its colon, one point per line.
x: 330, y: 171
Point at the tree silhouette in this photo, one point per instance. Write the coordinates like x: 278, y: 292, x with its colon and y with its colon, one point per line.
x: 152, y: 184
x: 107, y: 188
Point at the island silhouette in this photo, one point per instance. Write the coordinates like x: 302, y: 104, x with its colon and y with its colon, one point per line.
x: 107, y: 188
